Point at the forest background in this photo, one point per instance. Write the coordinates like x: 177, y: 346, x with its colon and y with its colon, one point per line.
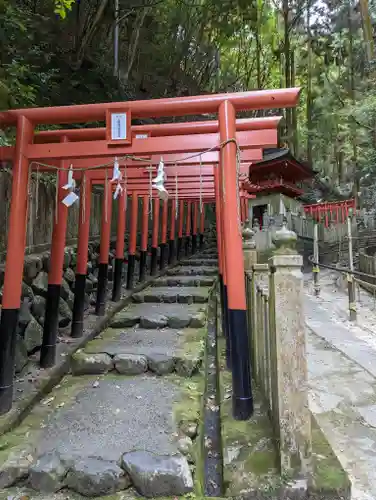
x: 59, y: 52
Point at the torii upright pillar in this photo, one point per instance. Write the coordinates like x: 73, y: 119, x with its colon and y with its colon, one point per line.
x: 14, y: 262
x: 154, y: 240
x: 144, y: 236
x: 163, y: 245
x: 119, y: 259
x: 132, y: 242
x: 55, y: 275
x: 237, y: 309
x: 171, y: 253
x: 100, y: 306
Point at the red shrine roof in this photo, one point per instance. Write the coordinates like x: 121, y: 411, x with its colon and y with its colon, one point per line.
x: 279, y: 163
x: 278, y: 172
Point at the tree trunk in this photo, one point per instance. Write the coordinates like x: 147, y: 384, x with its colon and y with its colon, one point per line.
x: 309, y: 86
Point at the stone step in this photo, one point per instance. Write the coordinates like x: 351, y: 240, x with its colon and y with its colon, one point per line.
x: 135, y: 351
x: 199, y: 262
x: 173, y: 294
x: 184, y: 281
x: 192, y: 271
x: 125, y: 423
x: 82, y: 440
x: 161, y: 316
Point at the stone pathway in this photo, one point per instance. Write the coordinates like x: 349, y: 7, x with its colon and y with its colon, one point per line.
x: 125, y: 422
x: 342, y: 379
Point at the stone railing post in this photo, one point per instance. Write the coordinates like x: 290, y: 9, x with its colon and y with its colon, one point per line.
x: 259, y: 280
x: 290, y: 413
x: 249, y: 246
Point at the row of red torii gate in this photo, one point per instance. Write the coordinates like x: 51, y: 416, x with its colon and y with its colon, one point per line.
x: 204, y: 162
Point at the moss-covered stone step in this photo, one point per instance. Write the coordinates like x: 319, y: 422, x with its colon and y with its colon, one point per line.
x: 183, y: 281
x: 161, y: 316
x: 173, y: 294
x: 192, y: 271
x: 114, y: 357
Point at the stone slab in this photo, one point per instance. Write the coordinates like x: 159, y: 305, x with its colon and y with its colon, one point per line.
x: 172, y: 294
x: 160, y: 316
x: 181, y: 281
x: 199, y: 262
x: 116, y: 416
x: 192, y: 271
x: 138, y: 341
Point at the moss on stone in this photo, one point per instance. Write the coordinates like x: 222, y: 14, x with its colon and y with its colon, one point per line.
x: 250, y: 458
x: 328, y: 473
x: 192, y: 343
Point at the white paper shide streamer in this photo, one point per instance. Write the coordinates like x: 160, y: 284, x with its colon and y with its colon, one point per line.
x: 70, y: 186
x: 158, y: 182
x: 117, y: 176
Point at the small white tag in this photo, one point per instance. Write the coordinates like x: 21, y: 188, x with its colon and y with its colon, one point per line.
x: 118, y: 126
x: 70, y: 199
x: 141, y: 136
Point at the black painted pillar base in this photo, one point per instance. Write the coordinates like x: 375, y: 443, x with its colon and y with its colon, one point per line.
x: 226, y: 328
x: 194, y: 243
x: 179, y: 248
x: 201, y: 241
x: 143, y: 257
x: 242, y: 400
x: 187, y: 245
x: 50, y: 327
x: 8, y: 326
x: 154, y: 261
x: 118, y: 275
x: 100, y: 306
x: 130, y: 273
x: 171, y: 253
x: 78, y: 306
x: 162, y: 258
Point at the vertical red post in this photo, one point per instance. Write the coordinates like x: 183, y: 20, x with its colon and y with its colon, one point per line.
x: 194, y: 227
x: 100, y: 306
x: 132, y: 242
x: 180, y: 228
x: 82, y: 254
x: 163, y: 244
x: 188, y: 228
x: 222, y: 284
x: 55, y: 275
x: 241, y: 376
x: 144, y: 236
x: 171, y: 253
x: 14, y: 262
x: 155, y: 236
x: 119, y: 255
x: 202, y: 225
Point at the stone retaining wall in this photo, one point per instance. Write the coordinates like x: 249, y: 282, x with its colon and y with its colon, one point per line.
x: 34, y: 292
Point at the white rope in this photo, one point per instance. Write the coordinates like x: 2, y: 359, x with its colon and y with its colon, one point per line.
x: 136, y: 158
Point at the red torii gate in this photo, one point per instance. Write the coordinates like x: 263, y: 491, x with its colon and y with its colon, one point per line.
x: 229, y: 240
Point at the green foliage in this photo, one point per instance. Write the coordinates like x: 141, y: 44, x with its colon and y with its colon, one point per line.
x: 186, y: 47
x: 62, y: 6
